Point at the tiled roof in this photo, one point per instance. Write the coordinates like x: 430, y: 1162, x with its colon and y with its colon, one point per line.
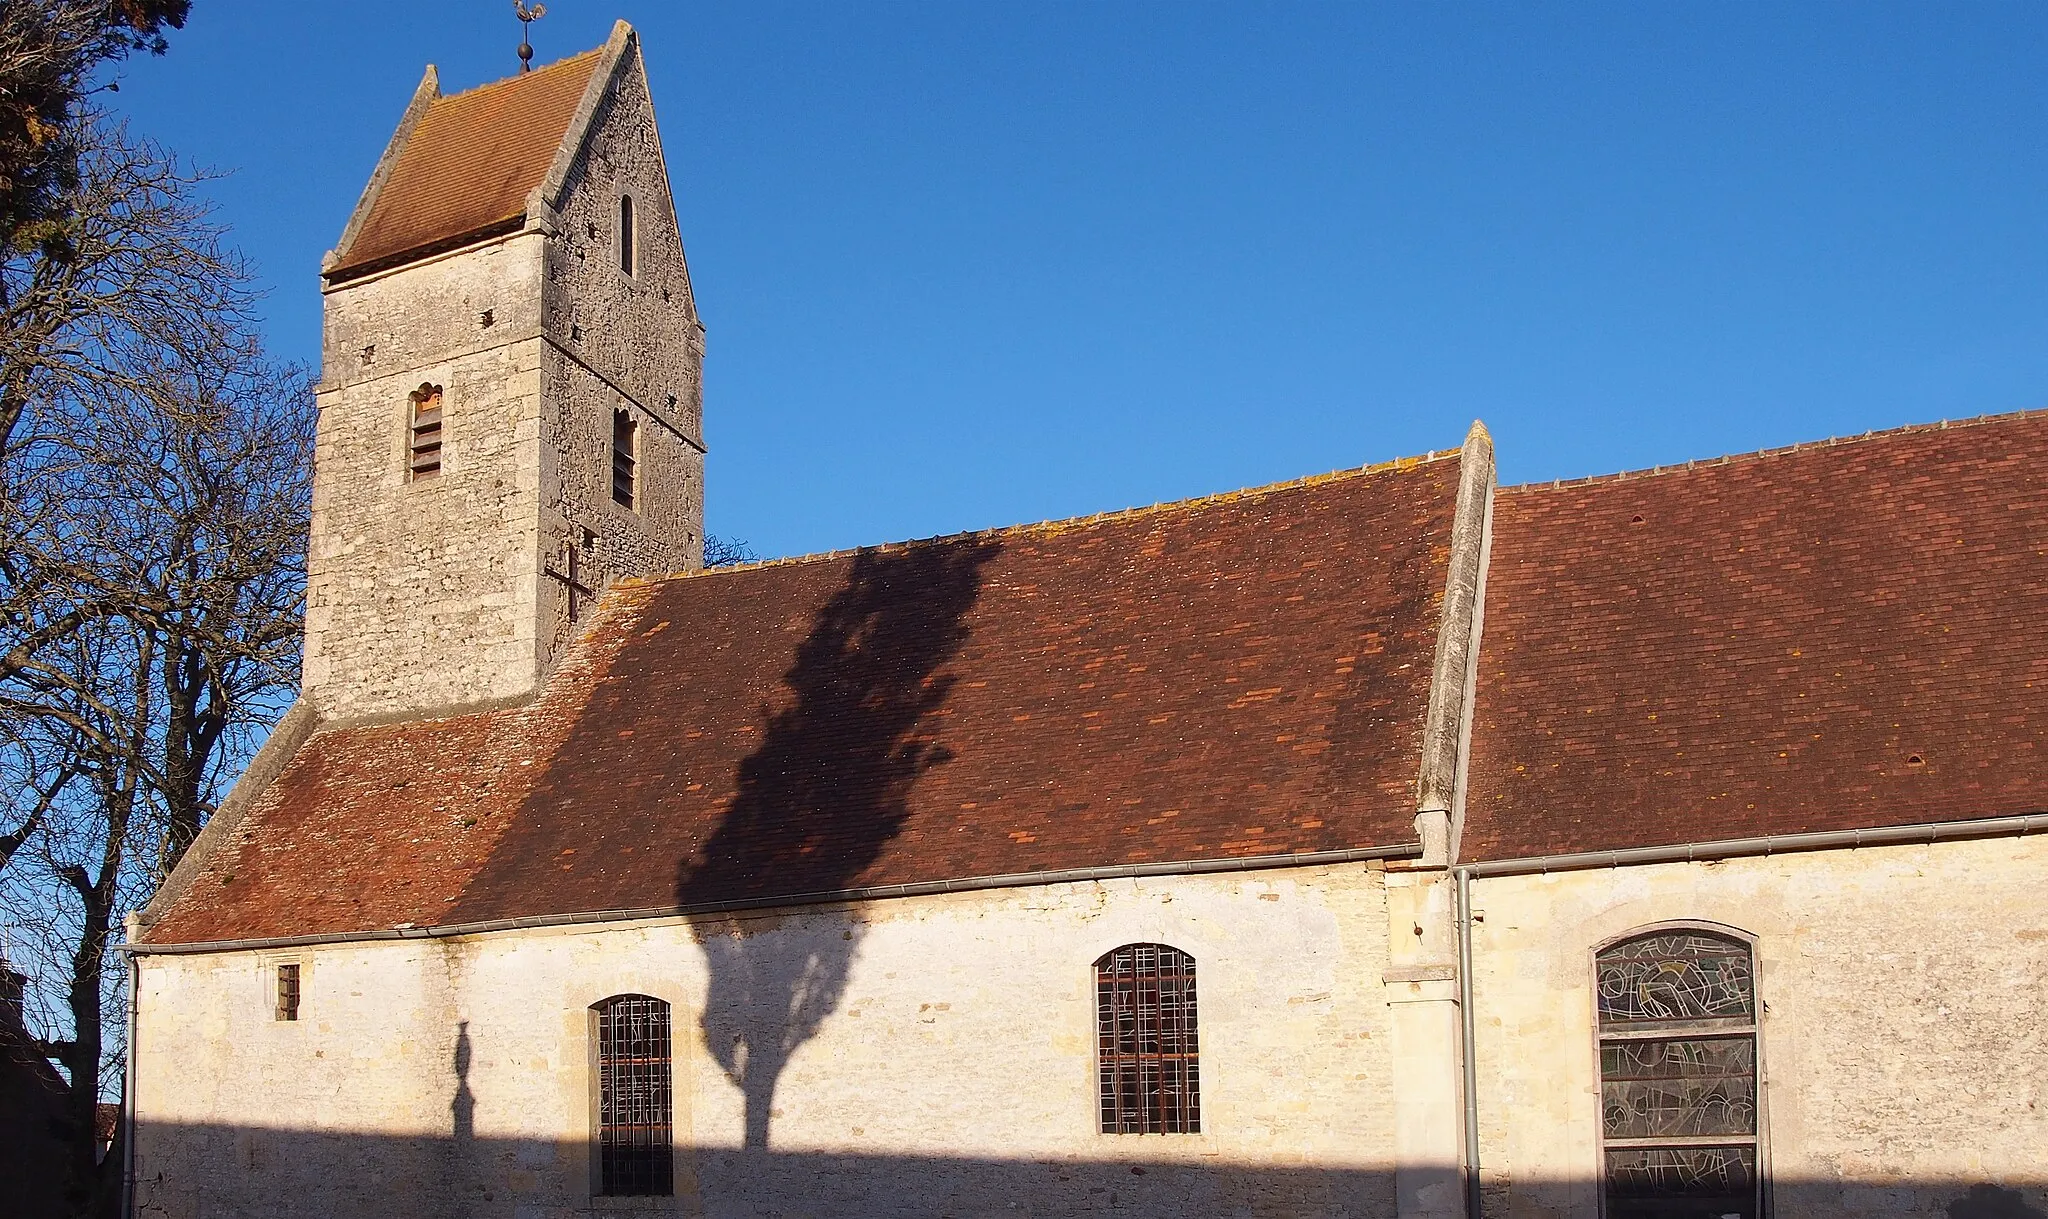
x: 468, y: 166
x: 1240, y: 676
x: 1838, y: 636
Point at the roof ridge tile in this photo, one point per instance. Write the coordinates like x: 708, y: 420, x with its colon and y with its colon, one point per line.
x: 516, y: 77
x: 1783, y: 450
x: 1398, y: 465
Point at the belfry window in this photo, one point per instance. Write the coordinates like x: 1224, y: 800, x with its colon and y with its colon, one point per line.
x: 423, y: 434
x: 634, y: 1098
x: 1678, y: 1076
x: 625, y: 457
x: 1145, y: 1041
x: 626, y: 234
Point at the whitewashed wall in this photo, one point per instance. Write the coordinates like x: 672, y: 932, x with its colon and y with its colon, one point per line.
x: 951, y: 1071
x: 1904, y: 1048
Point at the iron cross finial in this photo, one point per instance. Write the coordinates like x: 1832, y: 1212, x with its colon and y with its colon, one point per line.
x: 527, y: 16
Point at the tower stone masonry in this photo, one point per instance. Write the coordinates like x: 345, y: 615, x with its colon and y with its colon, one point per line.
x: 516, y: 253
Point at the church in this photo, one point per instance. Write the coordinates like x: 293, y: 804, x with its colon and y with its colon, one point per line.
x: 1386, y: 843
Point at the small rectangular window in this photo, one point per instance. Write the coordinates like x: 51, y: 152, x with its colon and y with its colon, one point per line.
x: 625, y: 457
x: 626, y: 233
x: 288, y: 991
x: 423, y: 452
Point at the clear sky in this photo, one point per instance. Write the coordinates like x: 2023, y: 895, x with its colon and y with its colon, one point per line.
x: 973, y: 264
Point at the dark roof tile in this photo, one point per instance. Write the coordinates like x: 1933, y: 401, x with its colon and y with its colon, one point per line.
x: 1838, y: 636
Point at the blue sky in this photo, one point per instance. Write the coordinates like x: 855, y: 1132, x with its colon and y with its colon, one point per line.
x: 972, y: 264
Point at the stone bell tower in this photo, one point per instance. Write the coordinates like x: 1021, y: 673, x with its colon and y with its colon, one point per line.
x: 510, y: 398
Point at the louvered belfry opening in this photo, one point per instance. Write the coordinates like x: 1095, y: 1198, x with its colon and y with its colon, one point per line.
x: 634, y: 1104
x: 1146, y: 1045
x: 423, y: 452
x: 625, y: 457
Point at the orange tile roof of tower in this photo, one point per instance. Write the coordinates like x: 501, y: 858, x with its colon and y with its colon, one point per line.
x: 466, y: 169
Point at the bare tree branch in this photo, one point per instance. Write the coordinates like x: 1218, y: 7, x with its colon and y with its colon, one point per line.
x: 154, y: 493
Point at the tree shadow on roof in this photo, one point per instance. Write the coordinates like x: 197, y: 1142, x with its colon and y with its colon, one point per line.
x: 818, y: 803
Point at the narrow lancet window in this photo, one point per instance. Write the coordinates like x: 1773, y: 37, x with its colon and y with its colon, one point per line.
x: 423, y: 453
x: 288, y: 991
x: 626, y: 234
x: 1678, y: 1076
x: 625, y: 457
x: 634, y: 1101
x: 1145, y: 1041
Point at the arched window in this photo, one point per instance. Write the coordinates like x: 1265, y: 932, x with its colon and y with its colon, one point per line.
x: 1145, y: 1041
x: 634, y: 1093
x: 1678, y: 1076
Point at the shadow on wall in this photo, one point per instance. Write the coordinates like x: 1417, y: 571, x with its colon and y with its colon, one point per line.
x: 189, y: 1171
x: 822, y: 797
x: 1992, y: 1202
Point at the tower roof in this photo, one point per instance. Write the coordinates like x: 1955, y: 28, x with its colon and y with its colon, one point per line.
x: 462, y: 167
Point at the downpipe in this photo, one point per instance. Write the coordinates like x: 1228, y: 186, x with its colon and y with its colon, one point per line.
x: 1468, y: 1040
x: 129, y: 1074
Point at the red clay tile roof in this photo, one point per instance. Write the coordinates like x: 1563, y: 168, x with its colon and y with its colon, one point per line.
x: 1232, y: 677
x: 468, y: 166
x: 1847, y: 635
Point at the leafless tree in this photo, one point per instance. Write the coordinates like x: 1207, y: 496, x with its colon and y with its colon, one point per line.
x: 141, y: 284
x: 50, y: 51
x: 154, y: 482
x: 725, y: 552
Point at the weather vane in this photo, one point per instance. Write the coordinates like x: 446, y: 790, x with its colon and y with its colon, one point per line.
x: 527, y: 16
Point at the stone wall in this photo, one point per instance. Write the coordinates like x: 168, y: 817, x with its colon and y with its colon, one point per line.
x: 618, y: 341
x: 1905, y: 1061
x: 919, y: 1056
x: 415, y: 587
x: 460, y: 588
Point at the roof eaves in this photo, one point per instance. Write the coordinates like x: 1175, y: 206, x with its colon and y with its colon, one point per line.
x: 398, y: 258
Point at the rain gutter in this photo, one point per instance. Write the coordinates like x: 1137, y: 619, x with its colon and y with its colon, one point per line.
x: 1695, y: 852
x: 1015, y: 880
x: 1773, y: 844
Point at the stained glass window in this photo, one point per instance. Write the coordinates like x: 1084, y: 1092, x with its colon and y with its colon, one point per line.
x: 634, y: 1102
x: 1146, y: 1055
x: 1678, y: 1077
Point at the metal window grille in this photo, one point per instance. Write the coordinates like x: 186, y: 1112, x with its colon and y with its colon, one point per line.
x: 288, y: 991
x: 1678, y: 1077
x: 1146, y: 1048
x: 626, y: 233
x: 625, y: 457
x: 633, y: 1098
x: 423, y: 453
